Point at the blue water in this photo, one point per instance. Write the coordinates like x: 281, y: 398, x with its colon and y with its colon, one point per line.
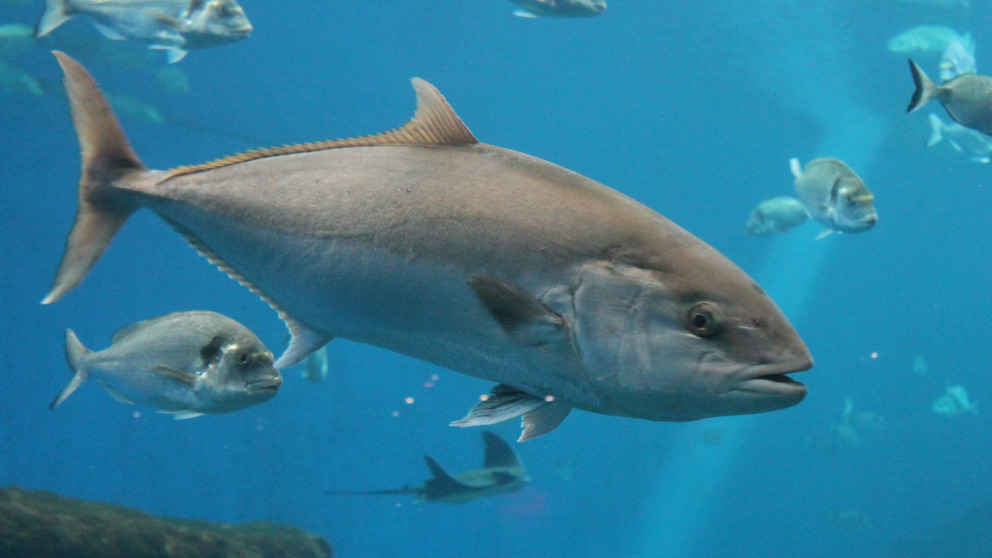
x: 693, y: 108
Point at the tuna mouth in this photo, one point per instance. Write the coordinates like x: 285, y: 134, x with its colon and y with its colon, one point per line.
x: 773, y: 379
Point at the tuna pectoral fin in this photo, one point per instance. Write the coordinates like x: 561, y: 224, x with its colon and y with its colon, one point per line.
x: 107, y: 158
x: 540, y: 414
x: 521, y: 315
x: 55, y: 14
x: 74, y: 352
x: 926, y: 89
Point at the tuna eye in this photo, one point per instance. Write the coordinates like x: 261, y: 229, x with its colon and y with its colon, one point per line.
x: 704, y: 320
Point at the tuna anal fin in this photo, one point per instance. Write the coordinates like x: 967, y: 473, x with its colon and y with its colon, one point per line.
x: 303, y: 342
x: 521, y: 315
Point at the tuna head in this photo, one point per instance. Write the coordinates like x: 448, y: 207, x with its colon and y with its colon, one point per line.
x: 661, y: 345
x: 236, y: 372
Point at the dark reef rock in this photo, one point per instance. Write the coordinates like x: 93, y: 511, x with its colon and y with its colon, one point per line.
x: 43, y: 525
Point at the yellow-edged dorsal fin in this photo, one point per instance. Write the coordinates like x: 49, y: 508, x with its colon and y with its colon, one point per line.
x: 434, y: 123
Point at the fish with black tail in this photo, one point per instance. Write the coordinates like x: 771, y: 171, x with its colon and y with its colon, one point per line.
x: 966, y: 98
x: 187, y: 363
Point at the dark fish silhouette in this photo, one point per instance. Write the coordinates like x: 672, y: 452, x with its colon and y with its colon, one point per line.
x: 501, y: 473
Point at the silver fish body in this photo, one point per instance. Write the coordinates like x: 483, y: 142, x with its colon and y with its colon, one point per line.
x: 483, y: 260
x: 173, y: 25
x: 958, y: 59
x: 188, y: 363
x: 775, y: 216
x: 834, y: 195
x: 966, y: 98
x: 559, y: 8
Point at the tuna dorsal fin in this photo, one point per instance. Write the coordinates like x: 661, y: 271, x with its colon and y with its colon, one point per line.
x: 434, y: 123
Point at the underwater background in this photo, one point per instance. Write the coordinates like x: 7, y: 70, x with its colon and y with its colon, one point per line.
x: 693, y: 108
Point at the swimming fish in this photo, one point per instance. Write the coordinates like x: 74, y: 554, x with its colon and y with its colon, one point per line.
x: 187, y: 363
x: 15, y: 81
x: 490, y: 262
x: 501, y: 473
x: 965, y: 140
x: 925, y: 39
x: 559, y: 8
x: 776, y: 215
x: 835, y: 196
x: 967, y: 99
x: 954, y: 402
x: 173, y: 25
x: 315, y: 366
x: 958, y: 58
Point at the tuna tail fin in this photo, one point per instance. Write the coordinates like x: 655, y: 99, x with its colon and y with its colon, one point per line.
x: 926, y: 89
x: 74, y: 353
x: 107, y: 158
x: 55, y: 14
x: 936, y: 130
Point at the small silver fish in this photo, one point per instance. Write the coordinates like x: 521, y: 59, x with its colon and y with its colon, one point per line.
x: 187, y: 363
x: 967, y: 99
x: 173, y: 25
x: 958, y: 59
x: 776, y: 215
x: 315, y: 366
x: 559, y: 8
x: 975, y: 144
x: 954, y: 402
x: 925, y: 39
x: 835, y: 196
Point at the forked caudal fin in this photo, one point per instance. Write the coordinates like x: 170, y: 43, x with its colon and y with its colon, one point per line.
x: 107, y: 158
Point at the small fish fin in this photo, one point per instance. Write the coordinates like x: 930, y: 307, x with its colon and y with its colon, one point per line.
x: 824, y: 234
x: 173, y: 55
x: 936, y: 130
x: 107, y: 158
x: 955, y: 145
x: 926, y: 89
x: 182, y: 415
x: 524, y: 13
x: 503, y: 403
x: 543, y: 420
x: 303, y: 340
x: 499, y: 454
x: 795, y: 167
x: 107, y: 31
x: 521, y: 315
x: 56, y: 13
x: 979, y: 159
x: 116, y: 394
x: 174, y: 373
x: 74, y: 353
x: 433, y: 123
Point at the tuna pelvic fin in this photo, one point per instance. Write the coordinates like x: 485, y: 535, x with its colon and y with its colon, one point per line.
x: 540, y: 414
x: 74, y: 352
x: 434, y: 123
x: 107, y: 158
